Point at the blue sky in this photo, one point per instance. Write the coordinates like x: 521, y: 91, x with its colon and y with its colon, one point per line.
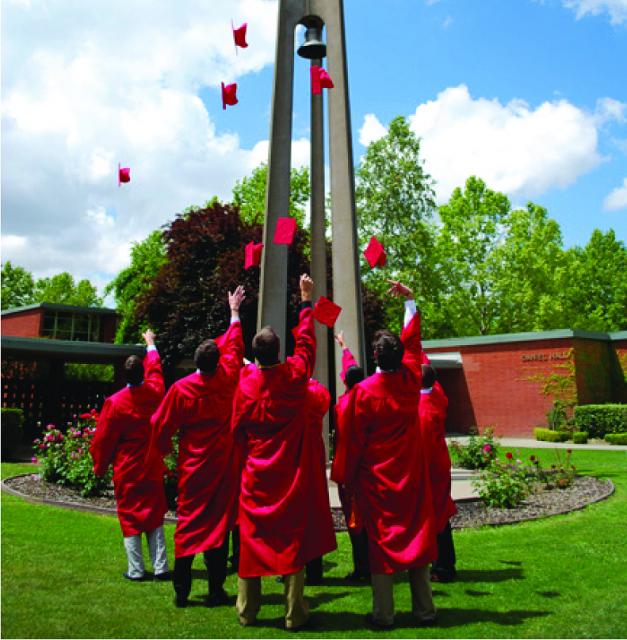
x: 528, y: 94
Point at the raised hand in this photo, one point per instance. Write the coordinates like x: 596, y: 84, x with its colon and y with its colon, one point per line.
x: 236, y: 298
x: 306, y: 288
x: 339, y: 338
x: 149, y: 337
x: 397, y: 288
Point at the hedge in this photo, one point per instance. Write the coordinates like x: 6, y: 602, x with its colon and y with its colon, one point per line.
x: 616, y: 438
x: 548, y: 435
x: 599, y: 419
x: 12, y: 421
x: 580, y: 437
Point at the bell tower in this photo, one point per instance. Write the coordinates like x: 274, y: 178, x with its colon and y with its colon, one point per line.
x: 316, y: 16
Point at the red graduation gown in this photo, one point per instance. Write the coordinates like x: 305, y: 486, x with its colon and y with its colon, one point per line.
x: 279, y: 532
x: 385, y: 463
x: 122, y: 438
x: 432, y: 425
x: 199, y: 408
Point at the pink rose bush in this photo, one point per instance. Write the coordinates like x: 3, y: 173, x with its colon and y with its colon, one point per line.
x: 65, y: 458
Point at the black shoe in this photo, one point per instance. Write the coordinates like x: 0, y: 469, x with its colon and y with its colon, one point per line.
x: 217, y: 599
x: 166, y: 576
x: 180, y: 602
x: 377, y: 625
x: 140, y: 579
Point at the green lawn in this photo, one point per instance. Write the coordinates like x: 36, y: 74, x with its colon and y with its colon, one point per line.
x: 562, y: 577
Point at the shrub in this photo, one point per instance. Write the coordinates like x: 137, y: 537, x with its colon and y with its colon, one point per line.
x: 65, y: 459
x: 616, y: 438
x: 599, y: 419
x: 560, y: 474
x: 548, y: 435
x: 478, y: 453
x: 556, y: 417
x: 503, y: 484
x: 580, y: 437
x: 12, y: 421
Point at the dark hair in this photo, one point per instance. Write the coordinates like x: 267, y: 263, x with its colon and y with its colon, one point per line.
x: 429, y: 376
x: 134, y: 370
x: 266, y: 346
x: 206, y: 356
x: 354, y: 375
x: 388, y: 350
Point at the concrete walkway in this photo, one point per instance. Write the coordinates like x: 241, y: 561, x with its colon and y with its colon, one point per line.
x: 530, y: 443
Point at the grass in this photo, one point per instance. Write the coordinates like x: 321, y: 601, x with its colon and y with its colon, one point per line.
x: 562, y: 577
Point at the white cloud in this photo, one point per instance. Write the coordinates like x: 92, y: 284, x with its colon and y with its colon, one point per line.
x: 609, y: 110
x: 616, y: 9
x: 516, y: 149
x: 371, y: 130
x: 617, y: 198
x: 84, y: 90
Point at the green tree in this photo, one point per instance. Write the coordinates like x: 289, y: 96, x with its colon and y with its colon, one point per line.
x: 62, y: 289
x: 18, y: 286
x: 249, y: 194
x: 596, y: 296
x: 468, y: 245
x: 395, y: 202
x: 532, y: 275
x: 147, y: 257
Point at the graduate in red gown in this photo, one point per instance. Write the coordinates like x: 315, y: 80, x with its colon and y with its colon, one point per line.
x: 350, y: 374
x: 386, y: 469
x: 433, y: 405
x: 198, y: 408
x: 280, y: 530
x: 122, y: 438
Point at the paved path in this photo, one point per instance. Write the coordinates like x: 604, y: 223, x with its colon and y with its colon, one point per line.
x: 529, y: 443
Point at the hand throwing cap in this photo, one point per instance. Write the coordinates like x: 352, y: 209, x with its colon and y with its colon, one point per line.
x: 229, y: 94
x: 239, y: 36
x: 124, y: 174
x: 326, y: 312
x: 320, y: 79
x: 375, y: 253
x: 252, y: 255
x: 285, y: 230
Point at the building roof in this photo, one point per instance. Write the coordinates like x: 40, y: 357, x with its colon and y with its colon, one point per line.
x: 530, y: 336
x: 59, y: 307
x: 68, y: 350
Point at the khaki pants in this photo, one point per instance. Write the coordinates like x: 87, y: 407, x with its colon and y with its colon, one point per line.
x: 249, y: 600
x: 422, y: 606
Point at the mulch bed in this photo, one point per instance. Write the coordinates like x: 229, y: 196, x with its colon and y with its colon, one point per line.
x: 584, y: 490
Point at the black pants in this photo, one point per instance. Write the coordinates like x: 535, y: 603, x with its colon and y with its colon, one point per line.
x: 215, y: 561
x: 234, y: 559
x: 359, y: 543
x: 445, y: 564
x: 313, y: 571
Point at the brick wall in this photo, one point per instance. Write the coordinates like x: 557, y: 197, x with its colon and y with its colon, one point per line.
x: 26, y: 324
x: 501, y: 385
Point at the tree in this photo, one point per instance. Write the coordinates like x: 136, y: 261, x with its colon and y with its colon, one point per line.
x: 468, y: 245
x: 596, y: 295
x: 18, y: 286
x: 532, y: 275
x: 147, y: 257
x: 249, y: 194
x: 395, y: 202
x: 62, y: 289
x: 204, y: 259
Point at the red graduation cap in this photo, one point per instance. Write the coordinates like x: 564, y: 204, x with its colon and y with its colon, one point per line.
x: 320, y: 79
x: 124, y: 174
x: 326, y: 312
x: 252, y: 255
x: 229, y: 94
x: 375, y: 253
x: 285, y: 230
x: 239, y: 35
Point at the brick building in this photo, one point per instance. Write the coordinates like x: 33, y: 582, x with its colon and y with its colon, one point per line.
x: 509, y: 382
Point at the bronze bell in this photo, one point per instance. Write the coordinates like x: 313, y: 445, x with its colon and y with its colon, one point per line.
x: 313, y: 48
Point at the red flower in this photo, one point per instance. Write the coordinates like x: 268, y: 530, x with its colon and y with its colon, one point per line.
x: 509, y: 455
x: 486, y: 448
x: 569, y: 450
x: 532, y: 458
